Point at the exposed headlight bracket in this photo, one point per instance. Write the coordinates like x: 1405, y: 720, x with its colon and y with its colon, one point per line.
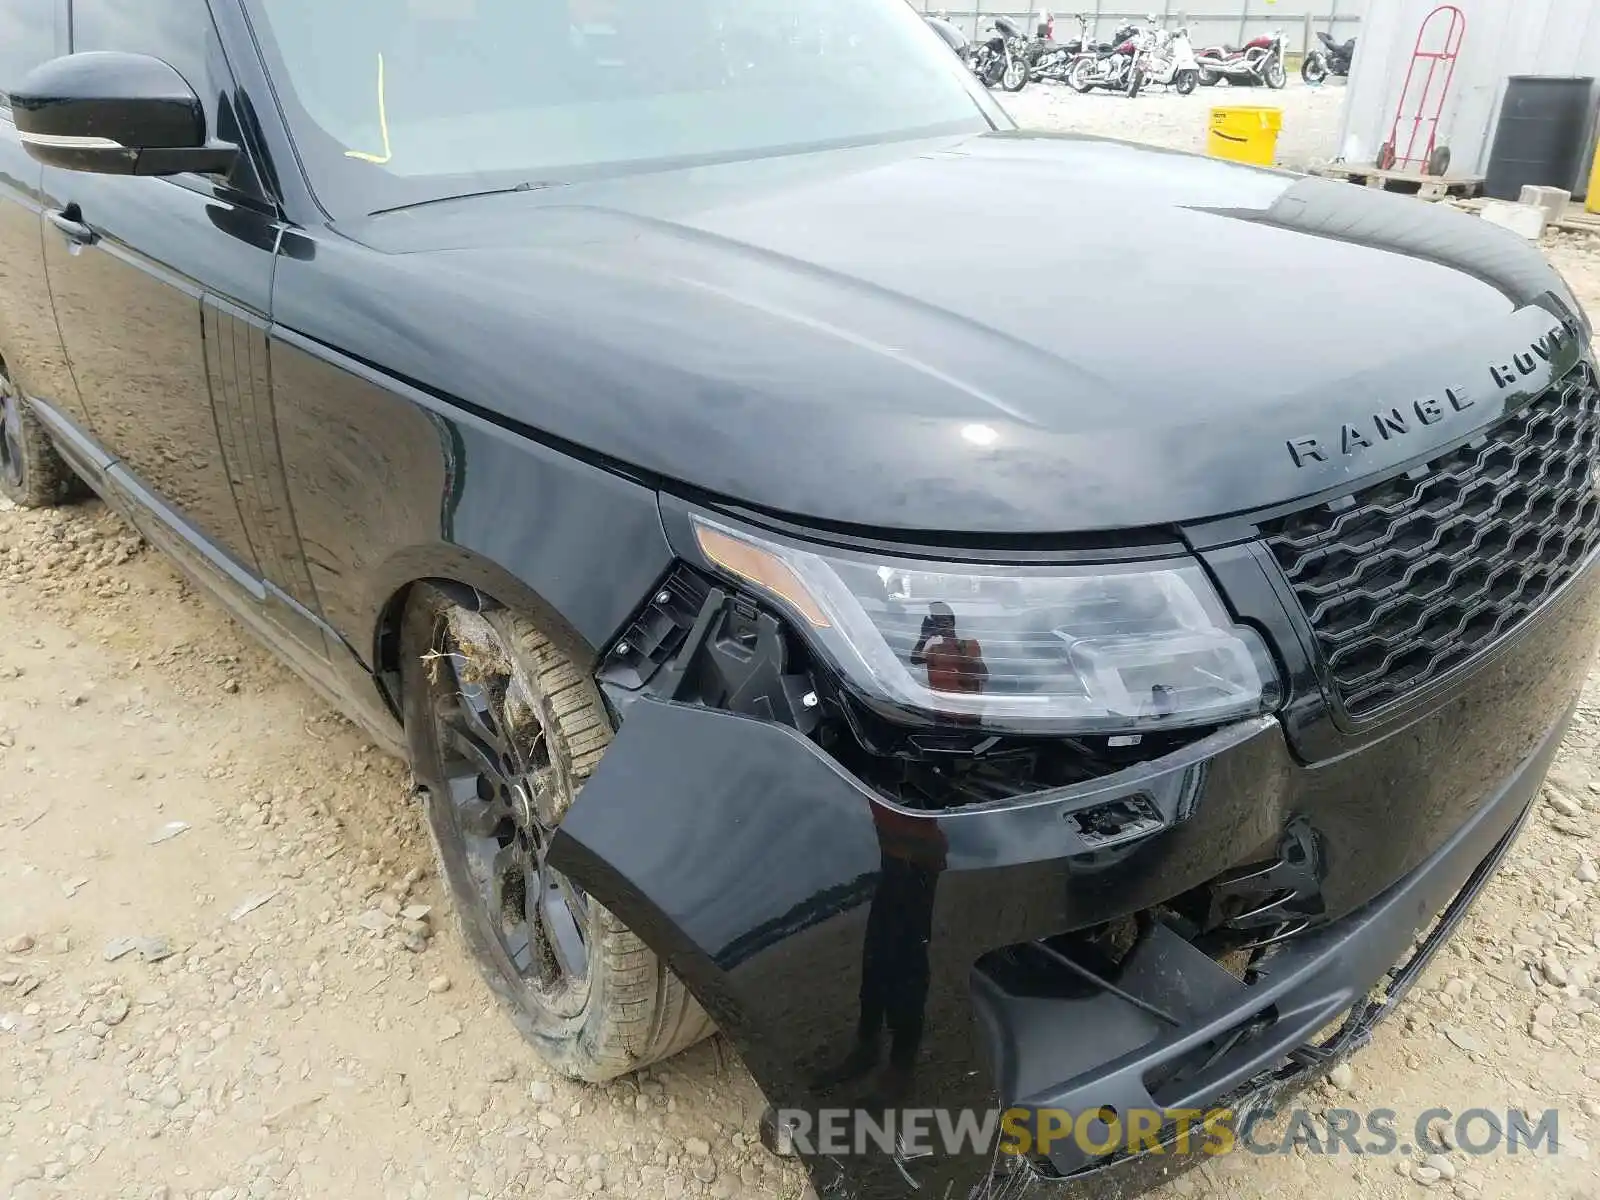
x: 728, y: 653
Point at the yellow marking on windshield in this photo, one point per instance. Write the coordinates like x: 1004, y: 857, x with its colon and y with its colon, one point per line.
x: 383, y: 125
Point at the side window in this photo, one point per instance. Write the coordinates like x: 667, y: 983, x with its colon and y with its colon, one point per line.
x: 27, y: 38
x: 181, y: 34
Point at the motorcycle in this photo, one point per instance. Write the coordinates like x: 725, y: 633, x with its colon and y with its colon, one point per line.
x: 985, y: 59
x: 1169, y: 60
x: 1260, y: 60
x: 1333, y: 59
x: 1110, y: 65
x: 999, y: 60
x: 1050, y: 60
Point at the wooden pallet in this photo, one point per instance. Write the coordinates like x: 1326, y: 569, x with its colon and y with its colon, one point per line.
x: 1411, y: 183
x: 1576, y: 220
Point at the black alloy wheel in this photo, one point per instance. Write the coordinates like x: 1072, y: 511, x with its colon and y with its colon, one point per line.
x: 504, y: 730
x: 506, y: 794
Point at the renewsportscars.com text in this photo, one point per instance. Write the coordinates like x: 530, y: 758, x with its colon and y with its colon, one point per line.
x: 914, y: 1132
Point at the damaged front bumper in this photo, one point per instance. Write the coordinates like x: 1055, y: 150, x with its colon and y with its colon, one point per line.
x: 861, y: 955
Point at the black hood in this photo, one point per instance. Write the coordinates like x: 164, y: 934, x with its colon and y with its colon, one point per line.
x: 1001, y: 334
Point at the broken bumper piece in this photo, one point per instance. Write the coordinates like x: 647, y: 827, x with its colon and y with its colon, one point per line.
x: 1204, y: 929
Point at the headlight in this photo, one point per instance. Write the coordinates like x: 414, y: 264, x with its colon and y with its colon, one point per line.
x: 1094, y: 649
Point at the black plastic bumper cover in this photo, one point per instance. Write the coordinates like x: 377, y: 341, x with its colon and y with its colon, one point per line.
x: 797, y: 905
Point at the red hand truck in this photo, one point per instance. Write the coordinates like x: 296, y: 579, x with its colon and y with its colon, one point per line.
x: 1438, y: 45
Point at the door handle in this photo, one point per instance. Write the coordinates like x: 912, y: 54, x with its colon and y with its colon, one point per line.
x: 69, y: 224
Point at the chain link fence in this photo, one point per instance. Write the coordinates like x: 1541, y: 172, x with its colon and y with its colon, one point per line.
x: 1210, y: 22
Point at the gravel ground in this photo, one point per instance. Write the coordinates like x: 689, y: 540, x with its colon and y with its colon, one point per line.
x: 1163, y: 118
x: 228, y: 1008
x: 224, y: 973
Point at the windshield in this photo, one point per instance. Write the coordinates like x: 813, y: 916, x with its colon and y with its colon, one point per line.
x: 394, y: 102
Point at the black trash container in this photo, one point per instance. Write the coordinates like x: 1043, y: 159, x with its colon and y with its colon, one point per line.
x: 1540, y: 137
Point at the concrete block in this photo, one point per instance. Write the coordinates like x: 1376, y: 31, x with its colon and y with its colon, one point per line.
x: 1526, y: 219
x: 1552, y: 199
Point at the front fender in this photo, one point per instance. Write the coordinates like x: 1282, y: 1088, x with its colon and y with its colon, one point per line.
x: 391, y: 485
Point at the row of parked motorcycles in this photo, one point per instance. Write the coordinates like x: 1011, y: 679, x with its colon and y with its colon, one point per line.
x: 1133, y: 58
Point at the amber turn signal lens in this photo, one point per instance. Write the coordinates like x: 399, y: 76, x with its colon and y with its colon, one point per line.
x: 758, y: 566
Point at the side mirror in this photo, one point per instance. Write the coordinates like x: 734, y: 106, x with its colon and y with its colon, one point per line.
x: 115, y: 114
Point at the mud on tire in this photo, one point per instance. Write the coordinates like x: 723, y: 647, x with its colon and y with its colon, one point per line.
x: 32, y: 473
x: 630, y: 1010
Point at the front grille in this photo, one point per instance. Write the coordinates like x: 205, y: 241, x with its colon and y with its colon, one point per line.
x: 1411, y: 577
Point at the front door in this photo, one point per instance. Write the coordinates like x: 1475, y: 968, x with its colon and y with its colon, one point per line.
x: 31, y: 355
x: 162, y: 289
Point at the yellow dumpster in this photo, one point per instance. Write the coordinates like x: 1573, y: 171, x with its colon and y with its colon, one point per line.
x: 1592, y: 199
x: 1246, y: 134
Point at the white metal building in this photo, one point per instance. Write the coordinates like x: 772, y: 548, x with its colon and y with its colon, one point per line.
x: 1502, y: 38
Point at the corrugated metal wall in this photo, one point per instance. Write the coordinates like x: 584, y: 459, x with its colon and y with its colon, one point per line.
x: 1503, y: 38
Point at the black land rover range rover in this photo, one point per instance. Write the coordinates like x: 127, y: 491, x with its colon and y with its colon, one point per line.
x: 830, y: 587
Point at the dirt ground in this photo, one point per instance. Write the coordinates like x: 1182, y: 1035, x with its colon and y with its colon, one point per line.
x: 206, y: 991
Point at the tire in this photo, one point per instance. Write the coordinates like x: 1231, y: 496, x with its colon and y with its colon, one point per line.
x: 1313, y: 70
x: 1015, y: 76
x: 1135, y: 82
x: 493, y: 680
x: 1184, y: 83
x: 32, y: 473
x: 1208, y: 78
x: 1276, y: 76
x: 1078, y: 76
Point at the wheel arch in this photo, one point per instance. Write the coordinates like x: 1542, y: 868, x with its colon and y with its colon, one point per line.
x: 471, y: 580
